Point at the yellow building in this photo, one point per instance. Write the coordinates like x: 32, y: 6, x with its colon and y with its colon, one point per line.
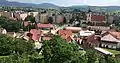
x: 6, y: 14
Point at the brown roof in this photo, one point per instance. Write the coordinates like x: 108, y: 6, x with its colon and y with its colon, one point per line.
x: 65, y: 34
x: 98, y: 18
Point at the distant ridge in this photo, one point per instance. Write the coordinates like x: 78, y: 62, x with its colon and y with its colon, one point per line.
x: 49, y: 5
x: 18, y: 4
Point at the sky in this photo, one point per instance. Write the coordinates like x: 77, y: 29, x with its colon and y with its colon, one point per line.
x: 74, y: 2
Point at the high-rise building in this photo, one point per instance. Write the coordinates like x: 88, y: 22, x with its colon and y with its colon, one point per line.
x: 41, y: 18
x: 59, y: 19
x: 33, y: 13
x: 20, y: 15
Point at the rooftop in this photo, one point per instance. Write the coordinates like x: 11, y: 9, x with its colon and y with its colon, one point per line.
x: 45, y: 25
x: 65, y: 34
x: 86, y: 33
x: 98, y: 18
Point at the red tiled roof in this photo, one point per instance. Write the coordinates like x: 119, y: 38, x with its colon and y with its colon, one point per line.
x: 35, y: 31
x: 35, y: 34
x: 65, y: 34
x: 45, y: 25
x: 98, y: 18
x: 111, y: 37
x: 116, y: 34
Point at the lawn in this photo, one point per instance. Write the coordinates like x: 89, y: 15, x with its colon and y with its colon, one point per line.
x: 3, y: 57
x: 115, y: 52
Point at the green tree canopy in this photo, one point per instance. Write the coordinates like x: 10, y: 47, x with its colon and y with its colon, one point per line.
x: 10, y: 25
x: 10, y: 45
x: 50, y: 20
x: 59, y: 51
x: 30, y: 18
x: 64, y: 20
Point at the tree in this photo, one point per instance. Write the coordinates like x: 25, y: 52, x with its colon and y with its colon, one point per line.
x: 23, y: 47
x: 9, y: 45
x: 91, y: 56
x: 57, y: 50
x: 9, y: 24
x: 50, y: 20
x: 109, y: 59
x: 29, y: 27
x: 3, y: 20
x: 64, y: 20
x: 15, y: 58
x: 5, y: 45
x: 71, y: 20
x: 30, y: 18
x: 12, y: 26
x: 76, y: 10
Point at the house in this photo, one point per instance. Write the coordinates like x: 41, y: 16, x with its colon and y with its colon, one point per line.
x: 66, y: 35
x: 3, y: 31
x: 35, y: 34
x: 88, y: 37
x: 110, y: 40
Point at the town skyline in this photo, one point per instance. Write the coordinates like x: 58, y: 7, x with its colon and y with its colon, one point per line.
x: 50, y: 31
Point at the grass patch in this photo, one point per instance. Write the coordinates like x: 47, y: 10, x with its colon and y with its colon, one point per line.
x: 3, y: 57
x: 115, y: 52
